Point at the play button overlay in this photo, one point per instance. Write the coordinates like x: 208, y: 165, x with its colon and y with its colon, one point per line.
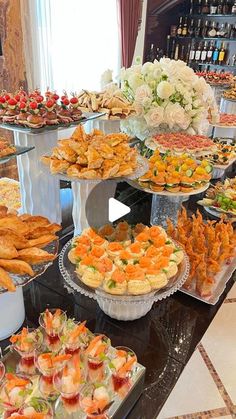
x: 116, y: 210
x: 101, y: 207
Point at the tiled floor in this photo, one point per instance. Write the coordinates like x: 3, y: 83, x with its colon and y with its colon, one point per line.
x: 207, y: 386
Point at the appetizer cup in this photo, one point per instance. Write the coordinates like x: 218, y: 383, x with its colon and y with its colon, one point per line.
x: 2, y: 371
x: 122, y: 365
x: 37, y: 405
x: 53, y: 322
x: 95, y: 400
x: 96, y: 358
x: 14, y: 390
x: 26, y: 343
x: 75, y: 337
x: 68, y: 384
x: 49, y: 365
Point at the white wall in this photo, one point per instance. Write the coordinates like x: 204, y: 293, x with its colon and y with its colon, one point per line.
x: 141, y: 34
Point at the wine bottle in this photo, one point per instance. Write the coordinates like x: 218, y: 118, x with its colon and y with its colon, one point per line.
x: 222, y: 54
x: 213, y: 7
x: 176, y: 54
x: 212, y: 30
x: 191, y: 8
x: 197, y: 31
x: 205, y: 29
x: 198, y: 7
x: 172, y: 53
x: 182, y: 55
x: 191, y: 28
x: 210, y: 52
x: 198, y: 53
x: 192, y: 53
x: 220, y: 7
x: 206, y: 7
x: 215, y: 55
x: 233, y: 32
x: 185, y: 28
x: 204, y: 53
x: 233, y: 10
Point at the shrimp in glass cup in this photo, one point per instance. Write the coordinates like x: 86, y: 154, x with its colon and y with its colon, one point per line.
x: 53, y: 322
x: 122, y: 365
x: 26, y: 342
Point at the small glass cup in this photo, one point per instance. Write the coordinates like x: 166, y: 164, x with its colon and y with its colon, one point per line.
x: 26, y: 364
x: 69, y: 391
x: 10, y: 400
x: 39, y: 405
x: 52, y: 335
x: 75, y: 344
x: 92, y: 407
x: 2, y: 371
x: 46, y: 385
x: 121, y: 380
x: 96, y: 364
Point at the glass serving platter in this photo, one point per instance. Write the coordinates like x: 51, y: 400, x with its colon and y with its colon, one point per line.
x: 19, y: 150
x: 119, y: 408
x: 124, y: 307
x: 141, y: 169
x: 86, y: 116
x: 136, y: 185
x: 39, y: 269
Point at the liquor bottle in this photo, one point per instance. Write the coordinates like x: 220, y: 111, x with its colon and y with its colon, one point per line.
x: 215, y: 55
x: 233, y: 10
x: 182, y: 55
x: 197, y: 31
x: 152, y: 53
x: 204, y: 53
x: 210, y: 52
x: 233, y: 32
x: 212, y: 30
x: 180, y: 27
x: 206, y: 7
x: 168, y: 46
x: 222, y: 54
x: 198, y: 7
x: 227, y: 7
x: 205, y: 29
x: 198, y: 53
x: 213, y: 7
x: 176, y: 54
x: 172, y: 53
x: 221, y: 31
x: 185, y: 28
x: 192, y: 53
x: 220, y: 7
x: 228, y: 30
x: 188, y: 53
x: 191, y: 28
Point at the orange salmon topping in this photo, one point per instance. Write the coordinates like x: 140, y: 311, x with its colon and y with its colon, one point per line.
x: 118, y: 276
x: 87, y: 260
x: 104, y: 265
x: 97, y: 252
x: 135, y: 248
x: 154, y: 231
x: 152, y: 252
x: 159, y: 241
x: 115, y: 246
x: 145, y: 262
x: 134, y: 272
x: 125, y: 255
x: 143, y: 237
x: 80, y: 250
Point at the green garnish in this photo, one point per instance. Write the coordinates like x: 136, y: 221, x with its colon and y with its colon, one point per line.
x: 103, y: 357
x: 10, y: 369
x: 112, y: 366
x: 39, y: 405
x: 176, y: 250
x: 168, y: 242
x: 165, y: 270
x: 124, y: 261
x: 136, y: 261
x: 97, y: 385
x: 92, y: 267
x: 111, y: 284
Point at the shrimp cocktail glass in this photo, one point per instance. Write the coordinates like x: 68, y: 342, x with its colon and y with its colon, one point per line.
x: 13, y: 392
x: 95, y: 400
x: 75, y: 337
x: 2, y: 371
x: 68, y: 383
x: 26, y: 343
x: 36, y: 408
x: 96, y: 358
x: 122, y: 365
x: 53, y: 322
x: 49, y: 363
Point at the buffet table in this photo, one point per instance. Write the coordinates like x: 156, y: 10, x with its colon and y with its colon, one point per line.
x: 163, y: 340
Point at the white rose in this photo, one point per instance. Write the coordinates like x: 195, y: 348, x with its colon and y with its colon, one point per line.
x: 135, y: 80
x: 143, y: 95
x: 147, y: 68
x: 165, y: 90
x: 154, y: 117
x: 176, y: 115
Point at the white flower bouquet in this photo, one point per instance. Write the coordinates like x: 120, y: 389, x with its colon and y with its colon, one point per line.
x: 167, y: 96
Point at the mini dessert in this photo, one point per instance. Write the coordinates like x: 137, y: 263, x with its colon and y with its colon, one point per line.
x: 95, y: 401
x: 25, y: 343
x: 122, y: 364
x: 53, y: 322
x: 13, y: 392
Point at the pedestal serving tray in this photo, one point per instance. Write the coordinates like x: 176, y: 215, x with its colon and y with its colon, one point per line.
x: 120, y: 407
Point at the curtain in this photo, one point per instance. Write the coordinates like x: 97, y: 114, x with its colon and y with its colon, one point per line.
x: 129, y: 14
x: 36, y: 27
x: 69, y: 44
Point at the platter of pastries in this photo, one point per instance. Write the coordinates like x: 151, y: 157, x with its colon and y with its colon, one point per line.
x: 28, y: 245
x: 230, y: 94
x: 38, y: 111
x: 6, y: 148
x: 210, y: 247
x: 95, y: 156
x: 226, y: 120
x: 113, y: 103
x: 179, y: 143
x: 221, y: 197
x: 215, y: 78
x: 62, y: 369
x: 10, y: 194
x: 174, y: 174
x: 124, y: 260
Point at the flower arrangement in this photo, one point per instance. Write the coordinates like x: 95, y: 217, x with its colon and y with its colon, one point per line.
x: 167, y: 96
